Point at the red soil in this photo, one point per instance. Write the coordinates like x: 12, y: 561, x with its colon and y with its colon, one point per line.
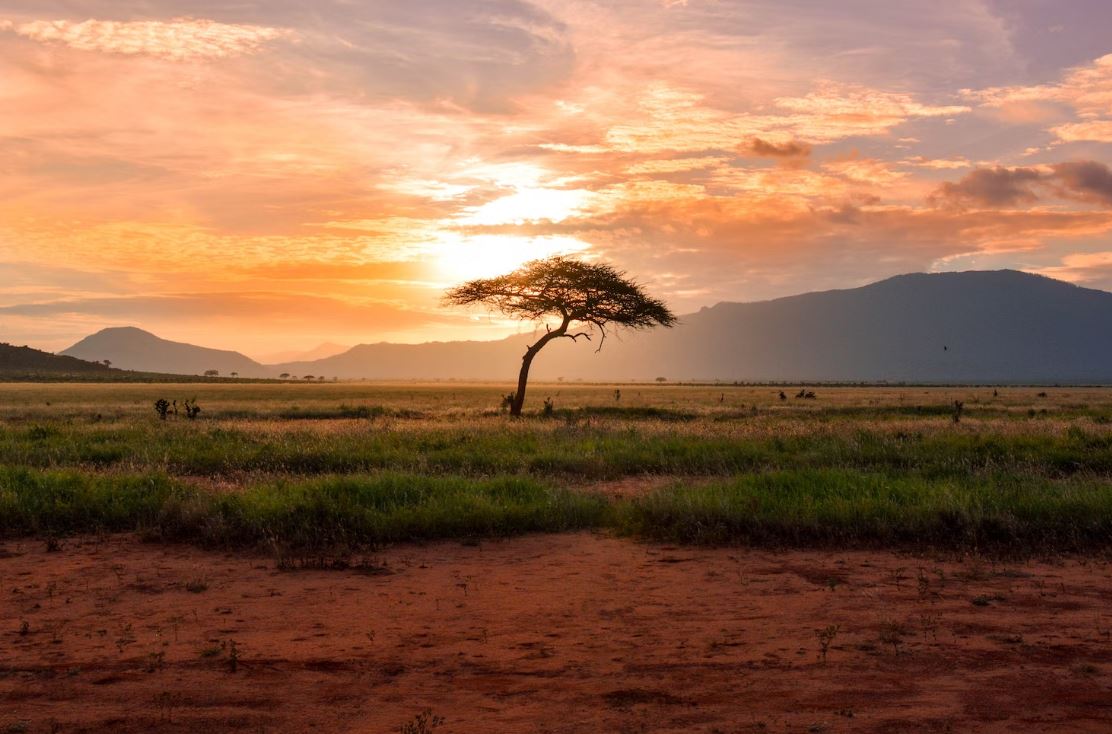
x: 567, y: 633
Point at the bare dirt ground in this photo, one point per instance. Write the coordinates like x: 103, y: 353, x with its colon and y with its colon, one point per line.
x: 567, y: 633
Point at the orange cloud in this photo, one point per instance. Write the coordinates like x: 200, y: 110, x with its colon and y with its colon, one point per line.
x: 771, y: 149
x: 180, y: 39
x: 1096, y: 130
x: 1087, y: 89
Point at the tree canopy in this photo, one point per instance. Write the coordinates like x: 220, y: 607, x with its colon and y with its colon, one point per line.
x: 592, y: 295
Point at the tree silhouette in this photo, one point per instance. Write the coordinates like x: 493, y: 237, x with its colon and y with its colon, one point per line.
x: 212, y: 373
x: 235, y: 374
x: 587, y: 296
x: 284, y: 376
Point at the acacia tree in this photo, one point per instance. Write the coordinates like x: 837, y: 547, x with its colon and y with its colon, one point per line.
x: 588, y: 299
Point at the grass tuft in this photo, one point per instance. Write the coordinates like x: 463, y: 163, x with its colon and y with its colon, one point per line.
x: 849, y: 508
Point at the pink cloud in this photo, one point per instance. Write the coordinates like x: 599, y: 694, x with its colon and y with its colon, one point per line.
x: 180, y: 39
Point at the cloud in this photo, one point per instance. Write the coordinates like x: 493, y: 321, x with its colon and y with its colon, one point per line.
x: 766, y: 149
x: 673, y: 119
x: 937, y: 163
x: 181, y: 39
x: 1087, y: 89
x: 1087, y: 181
x: 676, y: 165
x: 865, y: 170
x: 250, y: 315
x: 1092, y: 269
x: 992, y: 187
x: 855, y: 109
x: 1096, y: 130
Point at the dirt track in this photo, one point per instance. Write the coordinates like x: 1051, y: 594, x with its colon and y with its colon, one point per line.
x: 569, y: 633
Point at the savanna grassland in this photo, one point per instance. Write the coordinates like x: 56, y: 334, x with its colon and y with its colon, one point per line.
x: 398, y: 557
x: 310, y: 465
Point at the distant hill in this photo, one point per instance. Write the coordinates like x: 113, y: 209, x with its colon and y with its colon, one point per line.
x: 134, y: 349
x: 20, y: 362
x: 327, y: 349
x: 428, y: 361
x: 995, y: 326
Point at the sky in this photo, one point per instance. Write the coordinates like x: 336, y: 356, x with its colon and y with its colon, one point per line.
x: 268, y: 175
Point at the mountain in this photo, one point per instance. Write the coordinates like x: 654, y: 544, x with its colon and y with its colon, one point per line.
x: 980, y: 326
x: 25, y: 362
x: 134, y: 349
x: 327, y: 349
x: 428, y: 361
x: 988, y: 326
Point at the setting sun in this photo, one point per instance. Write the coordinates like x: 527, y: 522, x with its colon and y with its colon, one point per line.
x: 483, y: 256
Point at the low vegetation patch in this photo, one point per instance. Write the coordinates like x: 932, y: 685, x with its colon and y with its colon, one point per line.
x: 848, y: 508
x: 305, y: 468
x: 787, y: 508
x: 322, y: 512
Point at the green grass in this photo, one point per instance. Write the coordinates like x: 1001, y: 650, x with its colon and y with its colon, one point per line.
x: 320, y: 465
x: 552, y: 449
x: 840, y: 508
x: 848, y: 508
x: 321, y: 512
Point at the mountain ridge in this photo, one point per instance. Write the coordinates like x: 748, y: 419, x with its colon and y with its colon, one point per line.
x: 972, y: 326
x: 132, y: 348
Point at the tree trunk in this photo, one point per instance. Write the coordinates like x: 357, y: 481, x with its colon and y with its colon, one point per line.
x: 522, y: 380
x: 526, y: 361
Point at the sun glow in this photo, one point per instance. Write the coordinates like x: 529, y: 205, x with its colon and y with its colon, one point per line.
x: 485, y: 256
x: 530, y: 205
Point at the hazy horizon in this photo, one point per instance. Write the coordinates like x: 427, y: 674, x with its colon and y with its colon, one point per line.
x: 268, y: 177
x: 305, y: 353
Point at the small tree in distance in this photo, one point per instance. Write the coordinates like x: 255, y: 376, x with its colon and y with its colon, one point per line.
x: 589, y: 296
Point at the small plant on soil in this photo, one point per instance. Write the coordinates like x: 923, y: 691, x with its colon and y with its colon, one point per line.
x: 196, y: 586
x: 983, y: 600
x: 233, y: 656
x: 892, y: 633
x: 166, y: 702
x: 826, y: 636
x: 192, y: 410
x: 212, y: 651
x: 898, y: 576
x: 930, y: 623
x: 155, y: 661
x: 423, y: 723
